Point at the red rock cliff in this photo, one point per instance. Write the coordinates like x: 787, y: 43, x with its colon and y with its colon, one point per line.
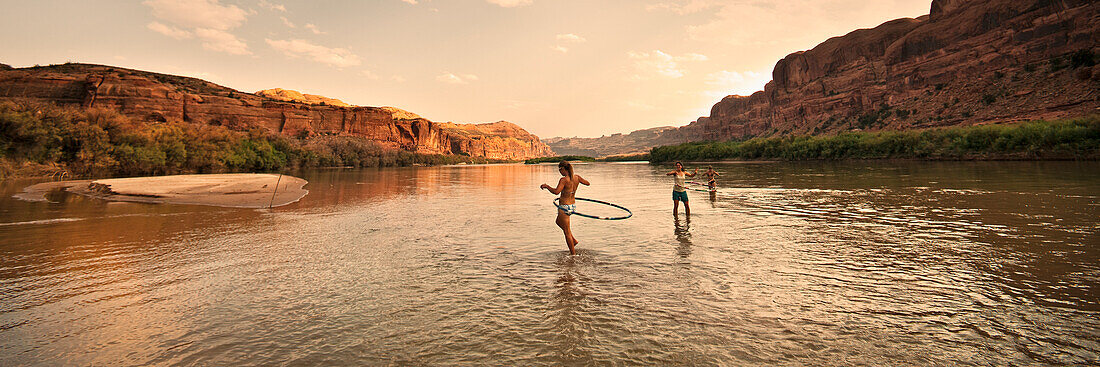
x: 967, y: 62
x: 160, y: 97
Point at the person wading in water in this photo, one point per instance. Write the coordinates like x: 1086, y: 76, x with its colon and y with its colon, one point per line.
x: 567, y: 203
x: 679, y: 191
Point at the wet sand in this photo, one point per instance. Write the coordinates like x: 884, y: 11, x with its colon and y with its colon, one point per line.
x: 238, y: 190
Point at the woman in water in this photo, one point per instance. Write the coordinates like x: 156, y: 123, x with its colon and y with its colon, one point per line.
x: 679, y: 192
x: 711, y: 175
x: 567, y: 203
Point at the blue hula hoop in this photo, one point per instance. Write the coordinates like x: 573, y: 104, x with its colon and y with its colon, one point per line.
x: 628, y: 212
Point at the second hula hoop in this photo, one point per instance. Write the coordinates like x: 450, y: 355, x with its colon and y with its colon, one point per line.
x: 628, y: 212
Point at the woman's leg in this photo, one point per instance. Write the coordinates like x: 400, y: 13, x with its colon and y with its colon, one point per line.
x: 675, y: 206
x: 563, y: 223
x: 687, y: 209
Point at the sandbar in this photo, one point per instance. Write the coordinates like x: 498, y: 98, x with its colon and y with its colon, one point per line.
x: 237, y: 190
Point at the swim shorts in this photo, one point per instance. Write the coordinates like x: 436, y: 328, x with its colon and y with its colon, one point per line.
x: 568, y: 209
x: 680, y: 195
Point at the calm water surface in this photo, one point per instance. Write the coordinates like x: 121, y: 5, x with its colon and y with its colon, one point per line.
x: 861, y: 263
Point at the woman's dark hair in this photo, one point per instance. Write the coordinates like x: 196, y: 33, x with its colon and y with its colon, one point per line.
x: 679, y: 164
x: 568, y: 167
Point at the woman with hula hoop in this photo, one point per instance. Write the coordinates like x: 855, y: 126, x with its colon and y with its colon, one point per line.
x: 567, y: 203
x: 679, y: 191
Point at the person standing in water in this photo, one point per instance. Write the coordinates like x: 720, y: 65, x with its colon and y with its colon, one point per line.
x: 711, y: 175
x: 679, y: 191
x: 567, y: 202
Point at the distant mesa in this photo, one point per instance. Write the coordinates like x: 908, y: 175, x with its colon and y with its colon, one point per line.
x: 156, y: 97
x: 966, y: 63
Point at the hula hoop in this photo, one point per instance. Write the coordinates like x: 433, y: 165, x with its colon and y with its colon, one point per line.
x: 715, y: 189
x: 628, y: 212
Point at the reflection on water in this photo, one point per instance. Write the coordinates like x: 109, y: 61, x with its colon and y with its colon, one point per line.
x: 879, y: 263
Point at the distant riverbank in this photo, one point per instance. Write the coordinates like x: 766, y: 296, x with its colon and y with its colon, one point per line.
x: 1071, y: 139
x: 38, y: 140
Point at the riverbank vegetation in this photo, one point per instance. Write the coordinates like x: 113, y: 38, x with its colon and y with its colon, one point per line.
x: 572, y: 158
x: 626, y: 158
x: 41, y: 139
x: 1061, y: 139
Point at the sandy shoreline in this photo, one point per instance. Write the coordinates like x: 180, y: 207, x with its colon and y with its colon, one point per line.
x: 238, y: 190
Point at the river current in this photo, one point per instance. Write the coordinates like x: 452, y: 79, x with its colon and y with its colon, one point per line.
x: 821, y: 263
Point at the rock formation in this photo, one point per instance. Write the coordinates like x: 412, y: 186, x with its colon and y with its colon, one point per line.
x: 636, y: 142
x: 160, y: 97
x: 966, y: 62
x: 281, y: 94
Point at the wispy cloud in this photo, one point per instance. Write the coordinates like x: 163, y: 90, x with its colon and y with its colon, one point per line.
x: 272, y: 6
x: 413, y: 2
x: 451, y: 78
x: 288, y: 23
x: 169, y: 31
x: 368, y: 74
x: 338, y: 57
x: 569, y: 37
x: 222, y: 41
x: 510, y: 3
x: 208, y: 20
x: 560, y: 48
x: 208, y: 14
x: 658, y: 63
x: 313, y: 28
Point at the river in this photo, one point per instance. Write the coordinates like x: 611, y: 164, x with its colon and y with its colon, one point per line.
x: 822, y: 263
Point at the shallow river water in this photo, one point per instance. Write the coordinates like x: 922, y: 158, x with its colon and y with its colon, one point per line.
x: 856, y: 263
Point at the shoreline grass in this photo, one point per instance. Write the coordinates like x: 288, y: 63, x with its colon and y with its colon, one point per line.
x: 1069, y: 139
x: 573, y: 158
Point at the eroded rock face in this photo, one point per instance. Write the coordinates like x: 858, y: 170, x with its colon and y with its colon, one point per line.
x: 159, y: 97
x: 967, y: 62
x: 637, y: 142
x: 288, y: 95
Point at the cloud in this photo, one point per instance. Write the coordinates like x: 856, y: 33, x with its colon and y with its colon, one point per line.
x: 683, y: 6
x: 660, y: 64
x: 743, y: 83
x: 209, y: 14
x: 338, y: 57
x: 313, y: 28
x: 169, y: 31
x: 450, y: 78
x: 510, y: 3
x: 561, y: 49
x: 368, y: 74
x: 273, y: 7
x: 209, y: 21
x: 413, y: 2
x: 570, y: 38
x: 288, y: 23
x: 222, y: 41
x: 398, y: 78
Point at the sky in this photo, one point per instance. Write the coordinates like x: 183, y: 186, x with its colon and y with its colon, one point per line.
x: 555, y: 67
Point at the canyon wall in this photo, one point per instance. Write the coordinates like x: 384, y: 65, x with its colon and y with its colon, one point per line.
x: 160, y: 97
x: 967, y: 62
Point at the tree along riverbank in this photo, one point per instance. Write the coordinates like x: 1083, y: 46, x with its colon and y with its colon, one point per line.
x: 1070, y: 139
x: 573, y: 158
x: 42, y: 139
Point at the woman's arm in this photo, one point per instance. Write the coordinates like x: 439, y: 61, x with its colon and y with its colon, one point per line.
x: 670, y: 173
x: 583, y: 181
x: 692, y: 174
x: 555, y: 190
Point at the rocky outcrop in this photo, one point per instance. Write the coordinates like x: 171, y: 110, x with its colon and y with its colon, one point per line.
x: 967, y: 62
x: 500, y: 139
x: 281, y: 94
x: 159, y: 97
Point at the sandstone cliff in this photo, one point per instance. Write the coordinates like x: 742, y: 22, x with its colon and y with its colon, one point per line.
x: 160, y: 97
x: 967, y: 62
x: 295, y: 96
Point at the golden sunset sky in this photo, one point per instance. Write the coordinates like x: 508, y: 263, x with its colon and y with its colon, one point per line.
x: 555, y: 67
